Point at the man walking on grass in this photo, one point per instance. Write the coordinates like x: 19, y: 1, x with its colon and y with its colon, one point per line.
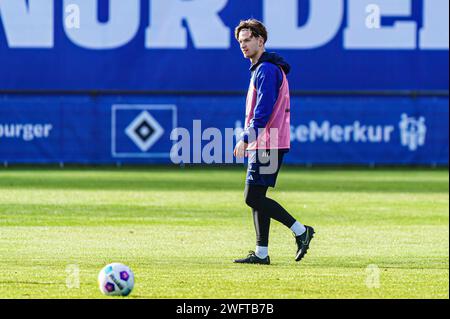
x: 265, y: 140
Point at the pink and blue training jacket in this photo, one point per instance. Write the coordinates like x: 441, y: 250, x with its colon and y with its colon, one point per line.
x: 267, y: 122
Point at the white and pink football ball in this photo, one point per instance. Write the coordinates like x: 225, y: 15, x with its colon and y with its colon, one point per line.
x: 116, y: 280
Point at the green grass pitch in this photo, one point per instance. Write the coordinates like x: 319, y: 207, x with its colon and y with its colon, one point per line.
x: 381, y: 233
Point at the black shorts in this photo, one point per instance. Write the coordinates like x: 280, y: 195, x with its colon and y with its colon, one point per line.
x: 264, y: 166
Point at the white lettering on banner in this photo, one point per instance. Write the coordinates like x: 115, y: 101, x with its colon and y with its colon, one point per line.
x: 413, y: 132
x: 27, y: 132
x: 402, y: 35
x: 122, y: 25
x: 355, y: 133
x: 201, y: 16
x: 30, y: 24
x: 324, y: 21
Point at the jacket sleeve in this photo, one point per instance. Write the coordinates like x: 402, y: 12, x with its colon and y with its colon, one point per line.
x: 268, y: 80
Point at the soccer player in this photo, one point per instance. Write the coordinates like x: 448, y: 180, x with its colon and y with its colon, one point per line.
x: 267, y: 112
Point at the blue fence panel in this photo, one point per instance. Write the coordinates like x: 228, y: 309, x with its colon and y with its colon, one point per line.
x: 137, y: 129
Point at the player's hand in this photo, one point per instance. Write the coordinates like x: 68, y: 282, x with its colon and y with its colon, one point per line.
x: 240, y: 149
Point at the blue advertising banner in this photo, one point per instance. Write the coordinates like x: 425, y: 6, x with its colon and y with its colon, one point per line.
x: 180, y: 46
x: 140, y: 129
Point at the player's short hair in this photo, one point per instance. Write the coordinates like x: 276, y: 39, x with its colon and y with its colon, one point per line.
x: 256, y: 27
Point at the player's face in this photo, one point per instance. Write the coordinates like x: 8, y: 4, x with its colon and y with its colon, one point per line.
x: 250, y: 45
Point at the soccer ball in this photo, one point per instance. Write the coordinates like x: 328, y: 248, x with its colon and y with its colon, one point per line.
x: 116, y: 280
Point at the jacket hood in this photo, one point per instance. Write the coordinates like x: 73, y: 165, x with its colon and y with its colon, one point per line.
x: 273, y: 58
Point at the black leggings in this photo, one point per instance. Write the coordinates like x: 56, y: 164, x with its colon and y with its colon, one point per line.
x: 264, y: 209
